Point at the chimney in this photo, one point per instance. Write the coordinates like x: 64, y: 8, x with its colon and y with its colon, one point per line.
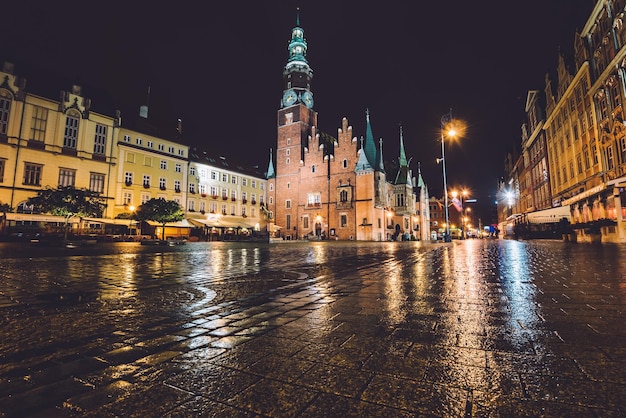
x: 143, y: 111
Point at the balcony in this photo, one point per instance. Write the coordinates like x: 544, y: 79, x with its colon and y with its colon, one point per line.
x: 128, y: 183
x: 177, y: 189
x: 146, y: 185
x: 162, y: 187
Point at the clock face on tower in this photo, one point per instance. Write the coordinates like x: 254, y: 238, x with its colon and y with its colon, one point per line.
x: 307, y: 98
x: 289, y: 97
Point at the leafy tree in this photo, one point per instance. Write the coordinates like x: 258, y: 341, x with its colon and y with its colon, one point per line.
x: 4, y: 208
x: 68, y: 201
x: 161, y: 211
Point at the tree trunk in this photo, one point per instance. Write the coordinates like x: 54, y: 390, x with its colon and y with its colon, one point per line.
x: 163, y: 232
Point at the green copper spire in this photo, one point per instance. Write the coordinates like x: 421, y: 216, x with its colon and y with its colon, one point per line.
x: 270, y: 169
x: 370, y: 145
x: 420, y: 180
x: 403, y: 162
x: 297, y: 46
x: 362, y: 164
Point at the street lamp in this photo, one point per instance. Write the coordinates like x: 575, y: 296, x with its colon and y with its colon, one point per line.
x: 451, y: 133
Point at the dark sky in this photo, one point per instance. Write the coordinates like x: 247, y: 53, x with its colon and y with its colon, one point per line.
x: 218, y: 66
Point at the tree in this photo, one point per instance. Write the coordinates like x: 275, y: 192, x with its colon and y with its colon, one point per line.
x: 4, y: 208
x: 68, y: 201
x: 161, y: 211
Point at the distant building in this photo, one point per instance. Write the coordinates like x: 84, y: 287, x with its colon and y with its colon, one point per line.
x: 322, y: 187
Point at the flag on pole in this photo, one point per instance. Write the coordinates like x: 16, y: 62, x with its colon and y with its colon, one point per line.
x: 457, y: 204
x: 445, y: 119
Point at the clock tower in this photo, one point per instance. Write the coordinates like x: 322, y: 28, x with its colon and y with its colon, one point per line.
x: 297, y: 123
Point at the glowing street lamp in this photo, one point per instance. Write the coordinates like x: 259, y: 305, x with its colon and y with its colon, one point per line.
x: 450, y: 133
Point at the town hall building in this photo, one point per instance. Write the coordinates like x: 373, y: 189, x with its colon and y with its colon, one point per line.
x: 322, y: 187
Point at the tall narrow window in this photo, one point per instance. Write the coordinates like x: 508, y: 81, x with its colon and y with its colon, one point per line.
x: 5, y: 109
x: 32, y: 174
x: 40, y: 120
x: 67, y: 177
x: 1, y: 170
x: 96, y: 182
x: 71, y: 132
x: 100, y: 140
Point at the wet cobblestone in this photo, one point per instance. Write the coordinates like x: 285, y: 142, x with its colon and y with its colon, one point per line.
x: 476, y: 328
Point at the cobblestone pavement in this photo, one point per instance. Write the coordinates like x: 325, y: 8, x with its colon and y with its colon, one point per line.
x: 476, y: 328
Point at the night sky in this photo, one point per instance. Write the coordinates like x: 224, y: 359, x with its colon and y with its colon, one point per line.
x: 218, y: 66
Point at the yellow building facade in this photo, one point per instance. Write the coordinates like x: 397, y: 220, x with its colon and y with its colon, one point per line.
x: 46, y: 143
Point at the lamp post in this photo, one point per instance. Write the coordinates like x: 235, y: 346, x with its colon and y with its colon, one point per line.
x: 445, y: 120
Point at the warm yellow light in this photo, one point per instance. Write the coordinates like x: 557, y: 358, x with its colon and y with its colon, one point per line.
x: 131, y: 208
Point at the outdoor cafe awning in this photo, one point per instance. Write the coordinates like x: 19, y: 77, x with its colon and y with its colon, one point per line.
x: 180, y: 224
x: 35, y: 217
x: 222, y: 222
x: 125, y: 222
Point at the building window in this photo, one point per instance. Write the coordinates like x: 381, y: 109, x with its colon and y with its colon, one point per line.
x: 40, y: 120
x: 161, y: 147
x: 233, y: 179
x: 162, y: 183
x: 343, y: 196
x: 271, y: 187
x: 100, y: 140
x: 191, y: 206
x: 213, y: 192
x: 288, y: 219
x: 305, y: 222
x: 314, y: 200
x: 202, y: 189
x: 253, y: 184
x: 5, y: 108
x: 127, y: 198
x: 261, y: 199
x: 224, y: 177
x: 181, y: 152
x: 32, y: 174
x: 126, y: 138
x: 2, y: 170
x: 594, y: 154
x: 178, y: 168
x: 288, y: 203
x: 128, y: 178
x: 163, y: 165
x: 344, y: 163
x: 344, y: 220
x: 223, y: 209
x: 271, y: 200
x: 192, y: 187
x: 214, y: 175
x: 212, y: 207
x: 96, y: 182
x: 67, y: 177
x: 313, y: 168
x: 192, y: 171
x: 287, y: 161
x: 610, y: 161
x: 139, y: 141
x: 243, y: 211
x: 146, y: 180
x: 170, y: 150
x: 150, y: 144
x: 71, y: 132
x: 177, y: 186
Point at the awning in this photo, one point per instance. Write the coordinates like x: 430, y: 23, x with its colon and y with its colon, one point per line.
x: 125, y: 222
x: 179, y: 224
x: 552, y: 215
x: 222, y: 222
x: 34, y: 217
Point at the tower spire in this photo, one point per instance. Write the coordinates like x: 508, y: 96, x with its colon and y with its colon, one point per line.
x: 403, y: 162
x: 370, y: 144
x: 270, y: 169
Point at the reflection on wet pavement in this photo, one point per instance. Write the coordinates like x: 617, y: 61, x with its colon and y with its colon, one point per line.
x: 471, y: 328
